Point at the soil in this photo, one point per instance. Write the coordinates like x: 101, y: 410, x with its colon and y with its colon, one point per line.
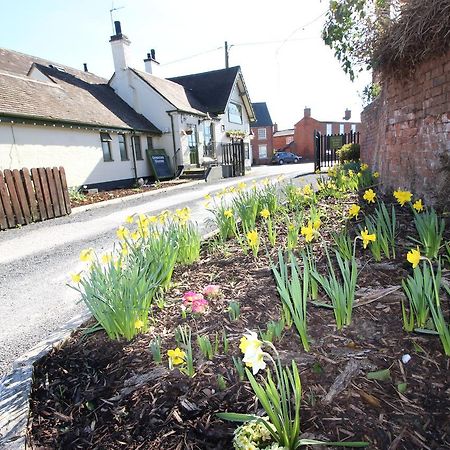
x: 94, y: 393
x: 102, y: 196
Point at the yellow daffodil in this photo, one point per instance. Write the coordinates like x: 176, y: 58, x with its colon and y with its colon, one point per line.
x: 183, y: 214
x: 241, y: 185
x: 418, y: 205
x: 403, y: 196
x: 265, y: 182
x: 251, y: 346
x: 135, y: 235
x: 265, y: 213
x: 308, y: 232
x: 176, y: 356
x: 106, y: 258
x: 316, y: 224
x: 354, y: 211
x: 129, y: 219
x: 351, y: 173
x: 208, y: 197
x: 76, y: 277
x: 364, y: 167
x: 369, y: 196
x: 291, y: 227
x: 86, y: 255
x: 366, y: 238
x: 413, y: 256
x: 207, y: 204
x: 138, y: 324
x: 252, y: 238
x: 307, y: 190
x: 124, y: 251
x: 228, y: 213
x: 122, y: 233
x: 152, y: 219
x: 376, y: 175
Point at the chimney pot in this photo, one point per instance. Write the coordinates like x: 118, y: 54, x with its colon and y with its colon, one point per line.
x: 117, y: 27
x: 85, y: 67
x: 152, y: 53
x: 148, y: 56
x: 307, y: 112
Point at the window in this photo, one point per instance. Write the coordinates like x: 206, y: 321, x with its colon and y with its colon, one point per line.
x: 354, y: 127
x: 123, y: 148
x: 105, y: 139
x: 235, y: 113
x: 262, y: 133
x: 341, y: 128
x: 262, y: 149
x: 149, y: 143
x: 289, y: 139
x: 329, y: 128
x: 137, y: 147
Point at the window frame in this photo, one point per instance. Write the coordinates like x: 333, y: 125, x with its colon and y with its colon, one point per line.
x: 329, y: 126
x: 127, y: 157
x: 105, y: 138
x: 341, y: 128
x: 262, y: 134
x: 289, y: 139
x: 137, y: 140
x: 259, y: 151
x: 230, y: 115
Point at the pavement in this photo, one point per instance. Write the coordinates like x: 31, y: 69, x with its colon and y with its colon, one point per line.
x: 35, y: 260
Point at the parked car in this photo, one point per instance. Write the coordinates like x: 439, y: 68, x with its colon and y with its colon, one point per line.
x: 285, y: 157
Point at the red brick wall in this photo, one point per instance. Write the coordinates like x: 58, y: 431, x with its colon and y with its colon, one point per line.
x: 279, y: 142
x: 256, y: 142
x: 406, y: 132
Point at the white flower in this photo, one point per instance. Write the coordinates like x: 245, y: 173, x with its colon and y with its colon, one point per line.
x: 254, y: 358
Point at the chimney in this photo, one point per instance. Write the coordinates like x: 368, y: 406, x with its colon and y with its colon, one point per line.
x: 85, y: 67
x: 348, y: 114
x: 120, y: 46
x: 151, y: 65
x: 275, y: 127
x: 307, y: 112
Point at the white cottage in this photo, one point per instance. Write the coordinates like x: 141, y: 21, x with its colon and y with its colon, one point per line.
x: 99, y: 130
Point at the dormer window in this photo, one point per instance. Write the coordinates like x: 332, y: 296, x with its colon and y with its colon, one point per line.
x: 235, y: 113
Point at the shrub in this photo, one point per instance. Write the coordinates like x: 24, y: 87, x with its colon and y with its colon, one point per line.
x: 348, y: 152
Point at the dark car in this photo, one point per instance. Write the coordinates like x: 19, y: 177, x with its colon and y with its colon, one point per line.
x: 285, y: 157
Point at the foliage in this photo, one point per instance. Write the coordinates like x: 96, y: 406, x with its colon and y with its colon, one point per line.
x: 76, y: 194
x: 294, y: 288
x: 348, y: 152
x: 339, y: 288
x: 430, y: 229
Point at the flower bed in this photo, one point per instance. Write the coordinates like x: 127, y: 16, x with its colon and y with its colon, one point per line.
x: 369, y: 380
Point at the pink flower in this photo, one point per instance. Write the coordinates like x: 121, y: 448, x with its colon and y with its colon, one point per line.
x: 190, y: 296
x: 199, y: 305
x: 212, y: 290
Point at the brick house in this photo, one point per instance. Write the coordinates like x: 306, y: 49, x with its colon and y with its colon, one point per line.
x: 262, y: 129
x: 284, y: 140
x: 304, y: 131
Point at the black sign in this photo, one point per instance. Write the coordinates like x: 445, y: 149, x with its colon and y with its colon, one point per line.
x: 161, y: 166
x: 336, y: 142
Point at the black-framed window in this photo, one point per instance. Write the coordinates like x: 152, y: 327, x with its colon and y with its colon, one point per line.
x: 105, y: 139
x: 235, y: 113
x: 123, y: 147
x: 137, y: 147
x: 149, y: 143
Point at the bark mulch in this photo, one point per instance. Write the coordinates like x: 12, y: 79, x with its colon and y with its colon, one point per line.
x: 94, y: 393
x: 102, y: 196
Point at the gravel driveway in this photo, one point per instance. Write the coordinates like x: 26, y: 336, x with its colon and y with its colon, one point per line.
x: 35, y: 260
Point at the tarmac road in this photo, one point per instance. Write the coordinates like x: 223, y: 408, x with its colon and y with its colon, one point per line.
x: 35, y: 260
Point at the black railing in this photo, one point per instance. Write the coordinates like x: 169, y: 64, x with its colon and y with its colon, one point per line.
x: 326, y: 145
x: 209, y: 150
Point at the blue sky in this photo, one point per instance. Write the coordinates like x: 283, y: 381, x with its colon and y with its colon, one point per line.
x: 277, y: 44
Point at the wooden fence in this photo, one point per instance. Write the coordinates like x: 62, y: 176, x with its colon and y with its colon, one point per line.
x: 31, y: 197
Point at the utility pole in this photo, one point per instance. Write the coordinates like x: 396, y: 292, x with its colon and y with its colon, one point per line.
x: 227, y: 65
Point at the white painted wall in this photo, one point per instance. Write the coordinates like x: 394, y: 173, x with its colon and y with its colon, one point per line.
x: 78, y: 151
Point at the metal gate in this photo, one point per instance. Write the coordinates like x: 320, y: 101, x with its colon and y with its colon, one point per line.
x: 326, y: 145
x: 233, y: 156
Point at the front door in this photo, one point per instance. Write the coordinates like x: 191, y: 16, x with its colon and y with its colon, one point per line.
x: 193, y: 147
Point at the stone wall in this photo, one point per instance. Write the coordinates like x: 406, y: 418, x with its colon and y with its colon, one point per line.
x: 406, y: 132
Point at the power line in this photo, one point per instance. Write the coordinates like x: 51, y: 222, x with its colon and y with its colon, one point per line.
x: 193, y: 56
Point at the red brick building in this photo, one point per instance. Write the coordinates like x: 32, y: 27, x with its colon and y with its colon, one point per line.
x: 284, y: 140
x: 262, y: 129
x: 300, y: 139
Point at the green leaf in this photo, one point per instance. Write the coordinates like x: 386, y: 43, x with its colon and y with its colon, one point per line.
x: 380, y: 375
x: 236, y: 417
x: 401, y: 387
